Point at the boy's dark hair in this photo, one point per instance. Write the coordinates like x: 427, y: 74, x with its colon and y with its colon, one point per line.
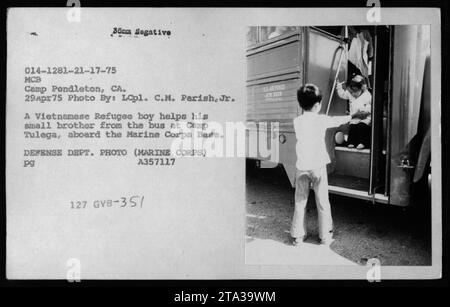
x: 308, y: 95
x: 357, y: 83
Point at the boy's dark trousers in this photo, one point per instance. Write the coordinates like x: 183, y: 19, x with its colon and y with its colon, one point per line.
x: 359, y: 134
x: 318, y: 179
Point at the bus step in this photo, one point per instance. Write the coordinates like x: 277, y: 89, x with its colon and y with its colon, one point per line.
x: 349, y: 182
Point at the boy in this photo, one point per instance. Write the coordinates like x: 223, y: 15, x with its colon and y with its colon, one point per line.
x: 312, y: 159
x: 360, y: 108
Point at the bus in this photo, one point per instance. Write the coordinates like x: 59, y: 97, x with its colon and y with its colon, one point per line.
x: 397, y: 165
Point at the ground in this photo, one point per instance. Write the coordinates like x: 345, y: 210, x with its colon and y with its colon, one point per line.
x: 362, y: 230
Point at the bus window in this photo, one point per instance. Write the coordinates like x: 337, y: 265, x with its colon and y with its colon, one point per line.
x: 252, y: 36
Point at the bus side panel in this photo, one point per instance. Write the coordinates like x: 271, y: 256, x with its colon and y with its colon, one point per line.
x: 274, y: 74
x: 410, y: 48
x: 273, y: 102
x: 269, y: 105
x: 323, y: 60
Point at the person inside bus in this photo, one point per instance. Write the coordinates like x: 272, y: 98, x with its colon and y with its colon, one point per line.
x: 360, y: 109
x: 312, y: 159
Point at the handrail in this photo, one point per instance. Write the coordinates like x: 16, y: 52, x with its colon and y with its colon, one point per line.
x: 335, y: 78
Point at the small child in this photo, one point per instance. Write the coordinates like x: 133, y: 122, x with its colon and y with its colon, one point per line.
x: 312, y: 159
x: 360, y: 109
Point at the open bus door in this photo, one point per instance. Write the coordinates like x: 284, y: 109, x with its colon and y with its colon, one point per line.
x: 361, y: 173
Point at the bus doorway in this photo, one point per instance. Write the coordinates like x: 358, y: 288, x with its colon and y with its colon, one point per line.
x: 362, y: 173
